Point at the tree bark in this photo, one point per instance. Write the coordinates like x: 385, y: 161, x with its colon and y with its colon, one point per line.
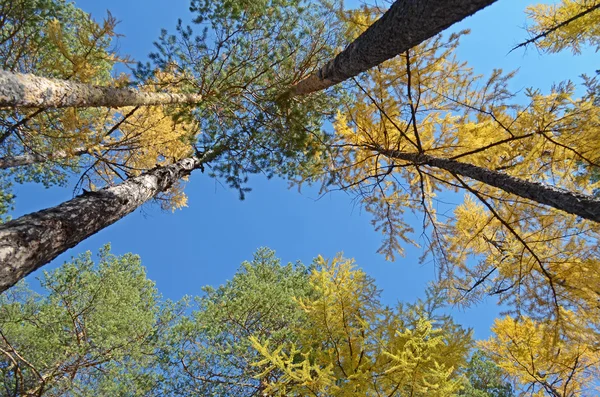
x: 29, y: 242
x: 35, y: 158
x: 406, y: 24
x: 574, y: 203
x: 21, y: 160
x: 28, y: 90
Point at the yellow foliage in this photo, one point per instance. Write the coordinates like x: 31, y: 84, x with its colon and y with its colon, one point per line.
x: 153, y: 139
x: 582, y: 30
x: 174, y: 198
x: 380, y: 119
x: 535, y: 258
x: 83, y: 56
x: 125, y: 142
x: 542, y: 263
x: 107, y: 144
x: 352, y: 345
x: 146, y: 138
x: 541, y: 358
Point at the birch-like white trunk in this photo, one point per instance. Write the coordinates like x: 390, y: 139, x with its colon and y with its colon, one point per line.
x: 406, y: 24
x: 28, y: 90
x: 579, y: 204
x: 22, y: 160
x: 29, y: 242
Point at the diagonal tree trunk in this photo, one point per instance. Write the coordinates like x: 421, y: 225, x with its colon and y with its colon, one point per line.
x: 574, y: 203
x: 31, y: 241
x: 406, y: 24
x: 28, y: 90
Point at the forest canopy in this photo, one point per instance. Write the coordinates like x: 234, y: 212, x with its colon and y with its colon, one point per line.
x: 496, y: 185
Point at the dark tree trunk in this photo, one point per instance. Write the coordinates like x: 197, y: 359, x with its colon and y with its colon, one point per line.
x: 29, y: 242
x: 574, y: 203
x: 28, y: 90
x: 406, y: 24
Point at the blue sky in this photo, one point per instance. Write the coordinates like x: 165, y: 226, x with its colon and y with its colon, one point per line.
x: 206, y: 242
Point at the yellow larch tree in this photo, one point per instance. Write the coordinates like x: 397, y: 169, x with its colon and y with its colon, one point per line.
x: 544, y: 362
x: 353, y: 345
x: 547, y: 357
x: 415, y: 124
x: 418, y: 121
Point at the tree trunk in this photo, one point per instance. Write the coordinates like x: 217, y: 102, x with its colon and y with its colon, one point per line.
x: 29, y: 242
x: 574, y: 203
x: 35, y: 158
x: 406, y: 24
x: 28, y: 90
x: 21, y: 160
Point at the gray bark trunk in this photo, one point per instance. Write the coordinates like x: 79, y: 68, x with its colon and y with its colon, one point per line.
x: 31, y: 241
x: 406, y: 24
x: 21, y: 160
x: 574, y: 203
x: 34, y: 158
x: 27, y: 90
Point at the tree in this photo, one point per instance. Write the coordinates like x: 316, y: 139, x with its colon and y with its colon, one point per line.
x: 585, y: 206
x: 350, y: 344
x: 104, y: 145
x: 45, y: 145
x: 416, y: 119
x: 103, y: 329
x: 558, y: 358
x: 406, y: 24
x: 210, y: 352
x: 29, y: 242
x: 58, y: 40
x: 29, y: 91
x: 485, y: 378
x: 542, y: 358
x: 93, y: 331
x: 407, y: 126
x: 243, y: 130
